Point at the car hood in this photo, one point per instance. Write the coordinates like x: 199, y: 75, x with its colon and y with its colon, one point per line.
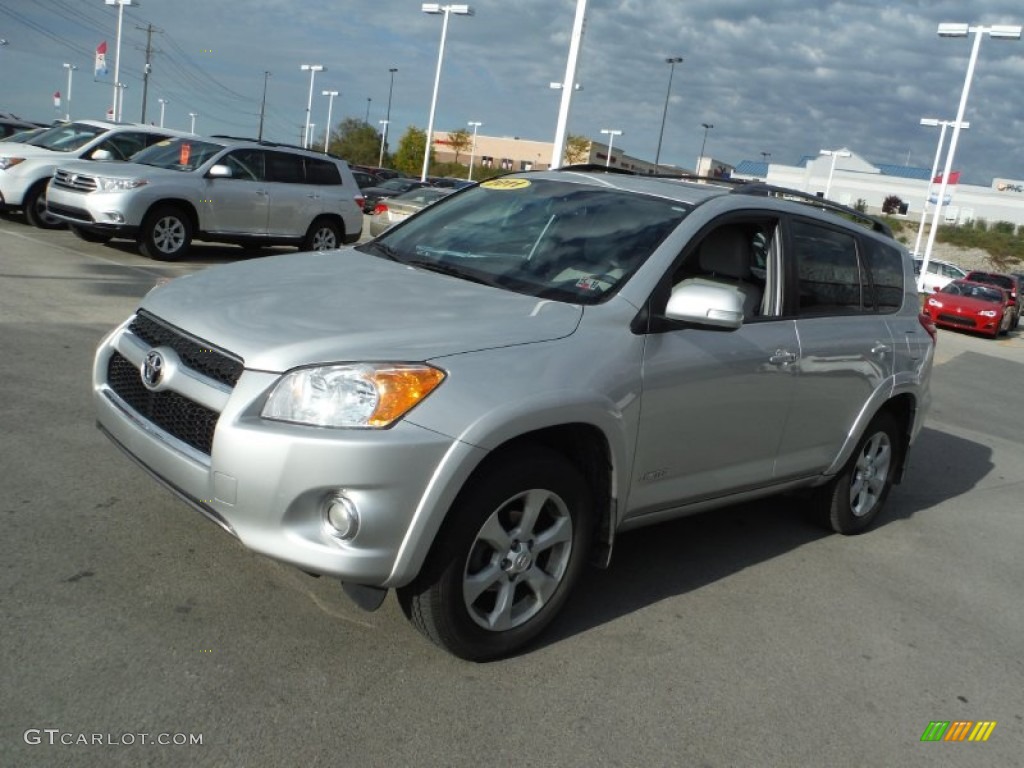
x: 285, y: 311
x: 14, y: 149
x: 120, y: 169
x: 966, y: 302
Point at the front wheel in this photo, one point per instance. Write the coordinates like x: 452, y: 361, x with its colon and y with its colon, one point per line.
x: 851, y: 501
x: 35, y: 208
x: 166, y: 234
x: 506, y: 559
x: 323, y: 235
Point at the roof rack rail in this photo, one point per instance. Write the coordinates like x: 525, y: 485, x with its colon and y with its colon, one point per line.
x: 268, y: 143
x: 784, y: 193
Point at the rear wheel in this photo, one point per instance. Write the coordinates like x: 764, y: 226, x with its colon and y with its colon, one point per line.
x: 89, y: 235
x: 851, y: 501
x: 323, y: 235
x: 35, y: 208
x: 503, y: 565
x: 166, y: 234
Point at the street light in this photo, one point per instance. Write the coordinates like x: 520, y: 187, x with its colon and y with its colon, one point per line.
x: 664, y: 113
x: 367, y: 118
x: 312, y: 69
x: 263, y: 105
x: 387, y: 119
x: 163, y: 105
x: 999, y: 32
x: 611, y: 133
x: 118, y: 97
x: 70, y: 68
x: 707, y: 127
x: 330, y: 105
x: 193, y: 115
x: 766, y: 156
x: 932, y: 122
x: 558, y: 149
x: 834, y: 154
x: 472, y: 151
x: 435, y: 8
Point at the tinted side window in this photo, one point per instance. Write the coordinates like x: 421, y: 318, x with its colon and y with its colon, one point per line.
x: 828, y: 272
x: 245, y: 164
x: 124, y: 145
x: 322, y: 172
x: 886, y: 266
x: 285, y: 167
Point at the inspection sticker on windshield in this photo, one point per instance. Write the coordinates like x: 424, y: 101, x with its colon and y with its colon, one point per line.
x: 588, y: 284
x: 506, y: 183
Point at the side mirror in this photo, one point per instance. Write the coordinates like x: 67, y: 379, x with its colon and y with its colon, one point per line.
x: 706, y: 303
x: 219, y: 171
x: 101, y: 154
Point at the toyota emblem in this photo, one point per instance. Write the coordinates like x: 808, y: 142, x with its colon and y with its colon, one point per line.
x: 152, y: 369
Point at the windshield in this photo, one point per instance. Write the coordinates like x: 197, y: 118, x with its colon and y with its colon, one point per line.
x: 975, y: 291
x: 66, y: 137
x: 182, y: 154
x: 551, y: 239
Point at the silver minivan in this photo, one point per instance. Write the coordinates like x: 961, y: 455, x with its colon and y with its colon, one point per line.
x: 473, y: 406
x: 214, y: 189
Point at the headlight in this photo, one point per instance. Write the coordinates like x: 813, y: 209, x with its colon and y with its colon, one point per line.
x: 988, y: 313
x: 113, y: 185
x: 10, y: 162
x: 934, y: 303
x: 372, y: 395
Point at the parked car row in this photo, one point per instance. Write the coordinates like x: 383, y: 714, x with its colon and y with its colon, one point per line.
x: 179, y: 187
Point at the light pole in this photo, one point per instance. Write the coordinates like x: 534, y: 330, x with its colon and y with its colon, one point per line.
x: 435, y: 8
x: 383, y: 139
x: 834, y: 154
x: 933, y: 122
x: 312, y: 69
x: 367, y: 118
x: 472, y: 151
x: 567, y: 84
x: 999, y: 32
x: 611, y: 133
x: 766, y: 156
x: 330, y: 104
x: 309, y: 135
x: 70, y: 68
x: 193, y: 115
x: 118, y: 96
x: 707, y: 127
x: 263, y: 105
x: 672, y: 61
x: 387, y: 118
x: 163, y: 105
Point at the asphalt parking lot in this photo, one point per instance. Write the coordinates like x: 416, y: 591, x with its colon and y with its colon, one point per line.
x: 744, y: 637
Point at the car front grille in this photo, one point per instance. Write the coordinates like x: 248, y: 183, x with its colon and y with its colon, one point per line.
x: 204, y: 358
x: 958, y: 320
x: 76, y: 181
x: 188, y: 421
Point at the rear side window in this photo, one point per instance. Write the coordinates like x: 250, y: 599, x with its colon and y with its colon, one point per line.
x: 322, y: 172
x: 885, y: 263
x: 828, y: 272
x: 286, y: 168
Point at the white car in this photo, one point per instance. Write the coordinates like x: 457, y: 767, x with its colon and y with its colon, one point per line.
x: 939, y: 275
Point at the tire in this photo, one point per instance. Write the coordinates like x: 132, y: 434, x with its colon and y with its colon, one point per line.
x: 34, y: 206
x: 324, y: 235
x: 166, y: 234
x: 851, y: 501
x: 494, y: 579
x: 89, y: 235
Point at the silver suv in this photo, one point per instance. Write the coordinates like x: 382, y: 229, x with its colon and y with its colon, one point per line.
x: 26, y: 168
x: 476, y: 403
x: 217, y: 189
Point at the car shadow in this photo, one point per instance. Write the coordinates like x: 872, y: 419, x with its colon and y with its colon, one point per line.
x: 678, y: 557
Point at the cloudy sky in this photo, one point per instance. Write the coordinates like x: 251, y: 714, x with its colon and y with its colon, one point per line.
x: 787, y: 77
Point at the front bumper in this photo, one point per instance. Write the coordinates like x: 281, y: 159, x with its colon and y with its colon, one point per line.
x: 266, y: 482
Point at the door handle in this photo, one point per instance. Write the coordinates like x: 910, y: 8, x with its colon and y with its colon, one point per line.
x: 879, y: 349
x: 782, y: 357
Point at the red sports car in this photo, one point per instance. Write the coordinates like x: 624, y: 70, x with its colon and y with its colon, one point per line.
x: 971, y: 307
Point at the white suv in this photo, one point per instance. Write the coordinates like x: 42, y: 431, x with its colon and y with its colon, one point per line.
x: 939, y: 275
x: 26, y: 168
x: 218, y: 189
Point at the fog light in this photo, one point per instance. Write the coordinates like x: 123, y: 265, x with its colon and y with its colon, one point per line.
x: 115, y: 216
x: 340, y: 517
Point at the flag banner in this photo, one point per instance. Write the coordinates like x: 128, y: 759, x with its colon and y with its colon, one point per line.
x: 933, y: 193
x: 954, y: 178
x: 101, y: 59
x: 56, y: 100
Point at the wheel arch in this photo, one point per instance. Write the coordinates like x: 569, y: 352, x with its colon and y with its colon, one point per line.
x: 903, y: 408
x: 176, y: 202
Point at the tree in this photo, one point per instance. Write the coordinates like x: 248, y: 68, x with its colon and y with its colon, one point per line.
x: 356, y: 141
x: 892, y: 204
x: 460, y: 141
x: 577, y: 149
x: 409, y: 156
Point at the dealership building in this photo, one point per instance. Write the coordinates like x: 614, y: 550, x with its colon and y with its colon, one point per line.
x: 851, y: 180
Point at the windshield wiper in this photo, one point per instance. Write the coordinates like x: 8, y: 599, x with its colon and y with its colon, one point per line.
x: 448, y: 269
x: 381, y: 248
